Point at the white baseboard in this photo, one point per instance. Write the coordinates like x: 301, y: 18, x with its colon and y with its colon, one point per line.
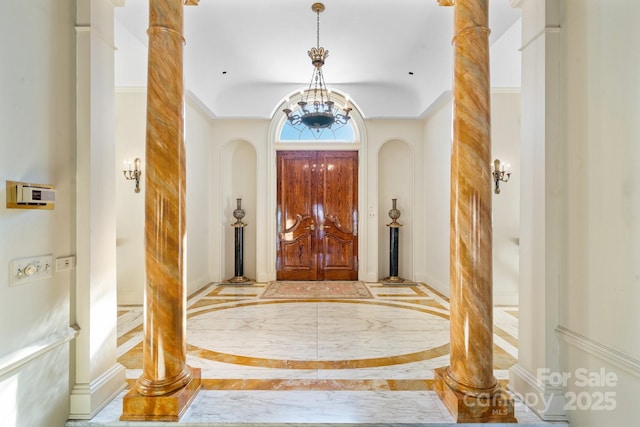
x: 443, y: 288
x: 131, y: 297
x: 505, y: 300
x: 371, y: 277
x: 265, y: 277
x: 546, y: 401
x: 87, y: 399
x: 196, y: 285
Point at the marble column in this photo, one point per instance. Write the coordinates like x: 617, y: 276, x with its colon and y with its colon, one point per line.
x: 167, y: 385
x: 468, y: 387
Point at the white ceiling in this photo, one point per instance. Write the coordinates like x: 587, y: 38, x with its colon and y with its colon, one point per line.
x: 242, y: 57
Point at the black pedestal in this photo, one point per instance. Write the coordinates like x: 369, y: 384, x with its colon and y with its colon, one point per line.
x: 394, y: 239
x: 238, y: 278
x: 239, y: 254
x: 394, y: 234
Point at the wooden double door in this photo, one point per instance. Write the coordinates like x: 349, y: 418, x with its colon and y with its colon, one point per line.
x: 317, y: 215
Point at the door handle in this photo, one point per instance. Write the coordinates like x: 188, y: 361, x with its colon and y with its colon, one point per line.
x: 312, y: 227
x: 355, y: 223
x: 322, y: 227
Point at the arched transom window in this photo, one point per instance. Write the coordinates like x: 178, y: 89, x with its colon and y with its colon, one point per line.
x: 299, y: 132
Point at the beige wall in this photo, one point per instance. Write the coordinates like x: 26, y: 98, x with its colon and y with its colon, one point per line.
x: 505, y: 146
x: 581, y: 204
x: 130, y: 113
x: 505, y: 136
x: 396, y: 179
x: 238, y: 168
x: 198, y: 130
x: 130, y: 122
x: 600, y: 101
x: 602, y: 133
x: 393, y: 169
x: 37, y: 144
x: 437, y: 154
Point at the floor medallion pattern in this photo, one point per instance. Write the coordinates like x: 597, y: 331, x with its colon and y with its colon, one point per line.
x: 358, y: 354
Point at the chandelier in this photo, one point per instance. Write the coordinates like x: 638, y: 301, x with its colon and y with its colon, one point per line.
x: 317, y: 110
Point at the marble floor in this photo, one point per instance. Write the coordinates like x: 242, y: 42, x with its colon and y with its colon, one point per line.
x: 275, y: 361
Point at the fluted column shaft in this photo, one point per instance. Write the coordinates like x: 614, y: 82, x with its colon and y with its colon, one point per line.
x: 471, y: 369
x: 164, y: 365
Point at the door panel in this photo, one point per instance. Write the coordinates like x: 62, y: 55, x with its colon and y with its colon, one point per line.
x: 338, y: 214
x: 297, y: 253
x: 317, y: 215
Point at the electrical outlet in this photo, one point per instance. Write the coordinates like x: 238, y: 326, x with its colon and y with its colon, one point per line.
x: 23, y: 270
x: 65, y: 263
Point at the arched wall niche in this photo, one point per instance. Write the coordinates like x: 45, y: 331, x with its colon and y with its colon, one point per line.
x: 396, y: 177
x: 238, y: 164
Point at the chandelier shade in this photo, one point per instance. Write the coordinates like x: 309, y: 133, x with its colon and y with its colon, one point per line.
x: 317, y: 111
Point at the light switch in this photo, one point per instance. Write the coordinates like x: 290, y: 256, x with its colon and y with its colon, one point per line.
x: 23, y: 270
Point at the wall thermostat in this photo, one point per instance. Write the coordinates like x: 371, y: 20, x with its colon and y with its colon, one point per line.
x: 23, y: 195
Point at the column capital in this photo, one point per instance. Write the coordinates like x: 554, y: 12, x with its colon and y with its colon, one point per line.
x: 191, y: 2
x: 446, y: 2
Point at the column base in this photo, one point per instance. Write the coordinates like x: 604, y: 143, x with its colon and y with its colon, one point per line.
x: 494, y: 407
x: 170, y: 407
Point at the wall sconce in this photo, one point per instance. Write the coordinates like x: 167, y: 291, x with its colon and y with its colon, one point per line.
x: 133, y: 174
x: 501, y: 172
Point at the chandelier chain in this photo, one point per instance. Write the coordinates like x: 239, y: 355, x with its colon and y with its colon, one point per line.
x: 318, y: 28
